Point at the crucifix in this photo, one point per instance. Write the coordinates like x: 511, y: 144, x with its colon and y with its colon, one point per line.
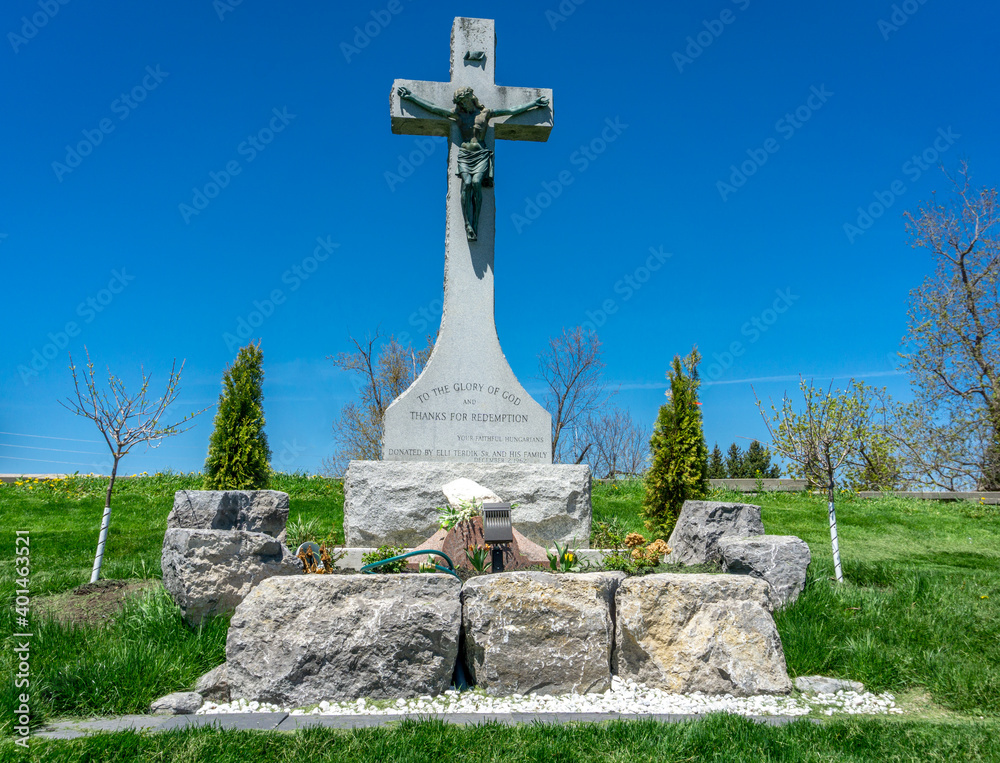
x: 467, y: 405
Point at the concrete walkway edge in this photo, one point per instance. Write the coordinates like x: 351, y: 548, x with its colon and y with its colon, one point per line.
x: 286, y: 722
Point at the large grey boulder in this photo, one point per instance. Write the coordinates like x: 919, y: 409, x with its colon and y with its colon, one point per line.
x: 214, y: 685
x: 259, y: 511
x: 827, y: 685
x: 299, y: 640
x: 707, y: 633
x: 781, y: 560
x: 695, y: 538
x: 178, y: 703
x: 396, y: 502
x: 540, y: 632
x: 209, y: 572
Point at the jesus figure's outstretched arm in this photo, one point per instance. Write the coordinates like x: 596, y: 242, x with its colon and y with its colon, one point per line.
x: 406, y: 95
x: 539, y: 103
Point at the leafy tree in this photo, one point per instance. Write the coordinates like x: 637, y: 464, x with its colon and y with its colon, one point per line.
x: 824, y: 438
x: 238, y: 454
x: 757, y: 462
x: 382, y: 374
x: 679, y: 470
x: 124, y: 421
x: 572, y: 370
x: 734, y: 462
x: 949, y: 436
x: 716, y: 467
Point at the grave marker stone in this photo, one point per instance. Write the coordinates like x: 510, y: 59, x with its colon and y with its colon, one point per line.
x: 467, y: 405
x: 466, y: 415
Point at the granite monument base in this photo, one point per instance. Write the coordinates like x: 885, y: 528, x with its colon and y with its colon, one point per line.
x: 396, y: 502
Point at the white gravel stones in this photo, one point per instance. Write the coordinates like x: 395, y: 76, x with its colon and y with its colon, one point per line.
x: 624, y: 697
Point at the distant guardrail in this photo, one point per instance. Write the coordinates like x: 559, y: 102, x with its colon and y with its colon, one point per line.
x: 767, y: 485
x: 989, y: 497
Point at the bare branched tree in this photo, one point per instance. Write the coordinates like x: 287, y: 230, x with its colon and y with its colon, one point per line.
x: 381, y: 374
x: 572, y: 370
x: 950, y: 435
x: 618, y: 445
x: 125, y: 421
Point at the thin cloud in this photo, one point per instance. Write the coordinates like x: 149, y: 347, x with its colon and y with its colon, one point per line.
x: 757, y: 379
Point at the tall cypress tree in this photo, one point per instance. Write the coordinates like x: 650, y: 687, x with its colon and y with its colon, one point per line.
x: 679, y: 471
x: 716, y: 467
x: 734, y: 462
x: 757, y: 462
x: 238, y: 455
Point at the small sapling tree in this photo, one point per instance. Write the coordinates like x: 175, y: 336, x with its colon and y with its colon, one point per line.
x: 825, y: 439
x: 238, y: 454
x: 124, y: 420
x: 679, y: 470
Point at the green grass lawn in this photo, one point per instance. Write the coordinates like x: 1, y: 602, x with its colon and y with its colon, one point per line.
x: 64, y: 518
x: 919, y: 615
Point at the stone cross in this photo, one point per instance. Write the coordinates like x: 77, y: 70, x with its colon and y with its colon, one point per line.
x: 467, y: 405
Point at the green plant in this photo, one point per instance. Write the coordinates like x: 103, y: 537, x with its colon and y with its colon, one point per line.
x: 449, y: 516
x: 298, y: 531
x: 238, y: 454
x: 620, y: 560
x: 385, y: 552
x: 478, y: 557
x: 563, y: 559
x: 608, y: 534
x: 680, y: 456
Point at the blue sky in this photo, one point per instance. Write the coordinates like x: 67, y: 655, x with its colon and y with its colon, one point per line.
x: 747, y: 135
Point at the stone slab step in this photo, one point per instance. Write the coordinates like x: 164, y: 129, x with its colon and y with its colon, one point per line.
x: 285, y: 722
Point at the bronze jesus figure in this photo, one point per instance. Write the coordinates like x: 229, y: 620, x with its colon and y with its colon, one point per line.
x: 475, y: 159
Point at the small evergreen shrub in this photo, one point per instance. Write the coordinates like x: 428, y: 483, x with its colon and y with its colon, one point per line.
x: 238, y: 454
x: 679, y: 454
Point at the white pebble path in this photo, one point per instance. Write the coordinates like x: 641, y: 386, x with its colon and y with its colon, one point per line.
x: 625, y: 697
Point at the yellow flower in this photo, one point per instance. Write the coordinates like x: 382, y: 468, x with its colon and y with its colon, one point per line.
x: 570, y: 557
